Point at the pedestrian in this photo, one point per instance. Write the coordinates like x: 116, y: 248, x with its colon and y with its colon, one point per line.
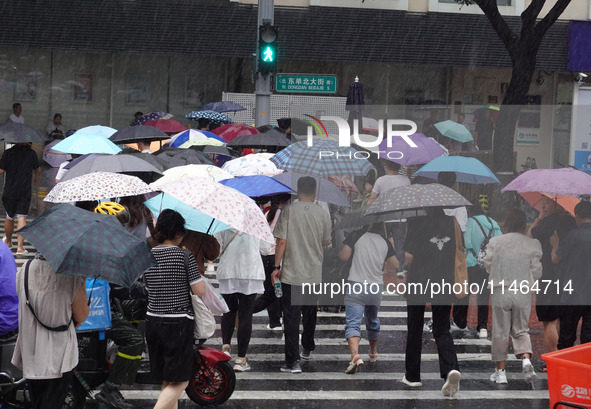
x: 478, y: 228
x: 552, y: 218
x: 430, y: 248
x: 302, y: 230
x: 21, y: 165
x: 372, y: 253
x: 460, y: 213
x: 241, y: 276
x: 137, y: 116
x: 55, y: 129
x: 169, y: 320
x: 48, y: 356
x: 202, y: 246
x: 485, y: 127
x: 268, y: 300
x: 16, y: 115
x: 575, y: 281
x: 512, y: 259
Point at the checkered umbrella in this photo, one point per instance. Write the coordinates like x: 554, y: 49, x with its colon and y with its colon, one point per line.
x: 324, y: 158
x: 87, y: 244
x: 213, y: 116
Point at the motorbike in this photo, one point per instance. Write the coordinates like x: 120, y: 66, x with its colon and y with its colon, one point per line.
x: 212, y: 383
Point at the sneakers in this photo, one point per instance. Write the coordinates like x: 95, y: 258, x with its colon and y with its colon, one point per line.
x: 411, y: 384
x: 528, y: 370
x: 373, y: 357
x: 241, y: 365
x: 277, y: 328
x: 22, y: 252
x: 452, y: 383
x: 294, y: 368
x: 210, y: 268
x: 428, y: 327
x: 483, y: 333
x: 454, y: 327
x: 499, y: 376
x: 112, y: 397
x: 306, y: 355
x: 227, y: 349
x: 354, y: 364
x: 401, y: 274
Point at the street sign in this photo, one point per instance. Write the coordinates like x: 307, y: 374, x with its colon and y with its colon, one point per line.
x: 306, y: 83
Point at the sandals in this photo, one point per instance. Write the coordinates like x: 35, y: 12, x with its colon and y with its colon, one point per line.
x: 227, y: 349
x: 543, y: 369
x: 354, y: 364
x: 373, y: 357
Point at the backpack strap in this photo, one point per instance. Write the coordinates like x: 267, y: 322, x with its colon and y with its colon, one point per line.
x: 61, y: 328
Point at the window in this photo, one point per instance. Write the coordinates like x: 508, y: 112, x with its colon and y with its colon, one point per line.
x: 499, y: 2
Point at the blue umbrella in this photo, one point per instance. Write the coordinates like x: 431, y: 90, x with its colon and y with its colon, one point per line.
x: 96, y: 130
x: 256, y: 186
x: 213, y: 116
x: 454, y: 130
x: 327, y: 191
x: 182, y: 137
x: 223, y: 106
x: 83, y: 143
x: 194, y: 219
x: 467, y: 170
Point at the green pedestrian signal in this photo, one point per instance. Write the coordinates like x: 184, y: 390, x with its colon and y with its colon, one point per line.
x: 267, y: 50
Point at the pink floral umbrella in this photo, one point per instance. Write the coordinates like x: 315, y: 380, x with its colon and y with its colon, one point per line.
x: 556, y: 182
x: 222, y: 203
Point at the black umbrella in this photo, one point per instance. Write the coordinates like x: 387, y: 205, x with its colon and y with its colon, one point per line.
x: 271, y: 139
x: 298, y: 128
x: 355, y: 102
x: 357, y: 218
x: 114, y: 163
x: 180, y: 157
x: 156, y: 161
x: 14, y: 132
x: 133, y: 134
x: 218, y: 150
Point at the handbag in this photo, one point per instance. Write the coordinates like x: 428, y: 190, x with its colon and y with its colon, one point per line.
x: 214, y: 300
x: 204, y: 321
x: 460, y: 267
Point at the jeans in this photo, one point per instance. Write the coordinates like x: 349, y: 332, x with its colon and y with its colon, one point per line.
x: 448, y: 360
x: 460, y: 309
x: 267, y: 299
x: 242, y: 305
x: 569, y: 321
x: 291, y: 324
x: 358, y: 305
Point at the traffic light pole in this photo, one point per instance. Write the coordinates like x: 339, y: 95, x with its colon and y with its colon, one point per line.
x: 263, y: 82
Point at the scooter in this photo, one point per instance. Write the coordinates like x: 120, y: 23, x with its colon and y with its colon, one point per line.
x: 212, y: 383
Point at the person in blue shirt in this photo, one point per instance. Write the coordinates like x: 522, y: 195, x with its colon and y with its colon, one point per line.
x: 8, y: 296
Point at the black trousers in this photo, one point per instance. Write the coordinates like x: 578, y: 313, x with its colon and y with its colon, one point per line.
x: 242, y: 305
x: 130, y: 345
x: 291, y: 324
x: 460, y: 309
x: 267, y: 299
x: 50, y: 393
x: 569, y: 321
x: 446, y: 350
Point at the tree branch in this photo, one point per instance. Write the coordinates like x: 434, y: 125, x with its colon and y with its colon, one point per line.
x: 507, y: 36
x: 531, y: 13
x: 551, y: 17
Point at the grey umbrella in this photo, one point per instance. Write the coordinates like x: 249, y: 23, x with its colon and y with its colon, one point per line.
x: 358, y: 218
x: 111, y: 163
x: 156, y: 161
x: 133, y: 134
x: 327, y: 191
x: 180, y: 157
x: 13, y: 132
x: 271, y: 139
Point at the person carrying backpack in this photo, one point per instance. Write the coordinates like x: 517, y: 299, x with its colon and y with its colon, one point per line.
x: 480, y: 228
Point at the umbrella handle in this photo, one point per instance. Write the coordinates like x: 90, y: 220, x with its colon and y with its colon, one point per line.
x: 206, y: 233
x: 92, y: 289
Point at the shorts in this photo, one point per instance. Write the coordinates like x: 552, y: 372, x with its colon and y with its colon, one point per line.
x: 16, y: 207
x: 170, y: 343
x: 547, y: 313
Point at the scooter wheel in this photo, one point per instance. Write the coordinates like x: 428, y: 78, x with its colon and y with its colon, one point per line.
x: 211, y: 384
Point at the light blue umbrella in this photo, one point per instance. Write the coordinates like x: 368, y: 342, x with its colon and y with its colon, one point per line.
x: 96, y: 130
x: 256, y: 186
x: 467, y: 170
x: 194, y: 219
x: 83, y: 143
x: 454, y: 130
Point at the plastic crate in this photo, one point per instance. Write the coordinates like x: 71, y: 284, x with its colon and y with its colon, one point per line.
x: 569, y: 376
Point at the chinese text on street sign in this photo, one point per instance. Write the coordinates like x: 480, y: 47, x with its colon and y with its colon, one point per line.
x: 306, y: 84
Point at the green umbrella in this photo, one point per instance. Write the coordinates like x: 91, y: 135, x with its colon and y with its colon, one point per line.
x: 454, y: 130
x: 87, y: 244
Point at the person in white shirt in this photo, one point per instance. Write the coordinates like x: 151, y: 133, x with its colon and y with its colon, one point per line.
x: 460, y: 213
x: 16, y: 116
x: 144, y: 146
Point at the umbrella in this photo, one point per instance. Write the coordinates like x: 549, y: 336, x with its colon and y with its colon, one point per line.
x: 231, y: 131
x: 416, y: 197
x: 212, y: 116
x: 454, y: 130
x: 96, y: 130
x: 256, y: 186
x: 87, y: 244
x: 358, y: 218
x: 153, y: 160
x: 52, y: 157
x: 83, y: 143
x: 269, y: 139
x: 180, y: 157
x: 192, y: 135
x: 80, y: 158
x: 558, y: 182
x: 111, y: 163
x: 97, y: 186
x: 568, y: 203
x: 168, y: 126
x: 191, y: 171
x: 327, y: 191
x: 355, y: 102
x: 467, y: 170
x: 222, y: 203
x: 370, y: 124
x: 324, y: 158
x: 13, y: 132
x: 152, y: 116
x: 400, y: 151
x: 217, y: 150
x: 203, y: 142
x: 249, y: 165
x: 133, y: 134
x: 344, y: 183
x: 223, y: 106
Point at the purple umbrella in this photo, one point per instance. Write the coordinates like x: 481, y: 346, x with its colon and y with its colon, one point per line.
x: 401, y: 152
x: 556, y: 182
x: 54, y: 158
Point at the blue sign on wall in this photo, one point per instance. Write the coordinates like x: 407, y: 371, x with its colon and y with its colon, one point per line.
x: 583, y: 161
x: 579, y: 45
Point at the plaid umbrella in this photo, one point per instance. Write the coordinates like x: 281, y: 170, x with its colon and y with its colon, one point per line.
x: 152, y: 116
x: 87, y: 244
x: 97, y: 186
x: 324, y: 158
x: 18, y: 133
x: 213, y: 116
x: 223, y: 106
x: 231, y: 131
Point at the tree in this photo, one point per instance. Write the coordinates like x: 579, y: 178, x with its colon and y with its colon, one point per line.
x: 523, y: 49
